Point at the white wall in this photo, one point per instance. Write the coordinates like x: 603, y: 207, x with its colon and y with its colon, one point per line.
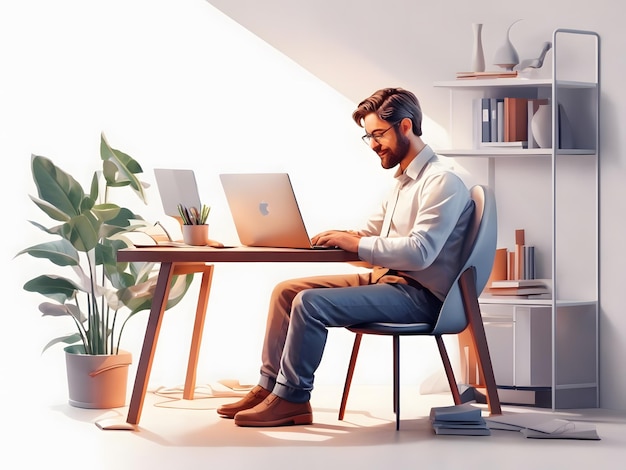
x: 173, y: 84
x: 176, y: 83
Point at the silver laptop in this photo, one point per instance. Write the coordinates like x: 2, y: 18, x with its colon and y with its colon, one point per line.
x: 177, y: 187
x: 265, y: 210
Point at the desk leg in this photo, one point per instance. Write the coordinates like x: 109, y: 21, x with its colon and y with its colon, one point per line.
x: 198, y: 327
x: 159, y: 302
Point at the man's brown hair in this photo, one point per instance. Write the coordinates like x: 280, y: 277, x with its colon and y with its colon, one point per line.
x: 391, y: 105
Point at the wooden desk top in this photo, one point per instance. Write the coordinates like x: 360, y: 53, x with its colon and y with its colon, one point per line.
x: 206, y: 254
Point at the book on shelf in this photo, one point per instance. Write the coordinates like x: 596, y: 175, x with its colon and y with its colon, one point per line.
x: 566, y: 132
x: 515, y: 119
x: 493, y: 120
x: 520, y: 241
x: 529, y: 262
x: 477, y: 129
x: 493, y: 74
x: 502, y: 283
x: 498, y: 270
x: 500, y: 119
x: 486, y: 120
x: 519, y: 291
x: 514, y: 145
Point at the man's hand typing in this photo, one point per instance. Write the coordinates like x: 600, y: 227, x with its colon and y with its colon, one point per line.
x: 346, y: 240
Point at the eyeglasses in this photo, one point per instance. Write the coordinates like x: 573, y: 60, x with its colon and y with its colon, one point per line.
x: 367, y: 138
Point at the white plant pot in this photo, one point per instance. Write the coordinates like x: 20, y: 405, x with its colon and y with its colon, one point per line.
x: 96, y: 381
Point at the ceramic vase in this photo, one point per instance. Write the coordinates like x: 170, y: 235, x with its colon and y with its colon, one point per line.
x: 478, y: 55
x: 541, y: 126
x: 507, y: 56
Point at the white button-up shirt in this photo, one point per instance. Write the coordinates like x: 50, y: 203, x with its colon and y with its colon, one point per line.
x: 430, y: 211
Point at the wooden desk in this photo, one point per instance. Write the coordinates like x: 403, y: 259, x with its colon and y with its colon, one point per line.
x: 187, y: 260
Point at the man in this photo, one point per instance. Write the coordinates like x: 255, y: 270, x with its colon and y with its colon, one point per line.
x: 413, y: 243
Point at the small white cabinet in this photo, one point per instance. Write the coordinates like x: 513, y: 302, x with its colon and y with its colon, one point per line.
x: 545, y: 352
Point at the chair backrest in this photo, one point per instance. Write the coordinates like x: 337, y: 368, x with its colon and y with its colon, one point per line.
x: 479, y: 251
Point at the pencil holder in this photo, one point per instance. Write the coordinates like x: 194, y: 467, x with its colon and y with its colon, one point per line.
x: 197, y: 235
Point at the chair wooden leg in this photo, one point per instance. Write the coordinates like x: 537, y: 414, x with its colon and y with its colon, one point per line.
x: 467, y: 285
x: 454, y: 388
x: 396, y: 379
x: 346, y: 388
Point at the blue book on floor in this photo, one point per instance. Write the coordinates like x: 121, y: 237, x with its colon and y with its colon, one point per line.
x: 465, y: 412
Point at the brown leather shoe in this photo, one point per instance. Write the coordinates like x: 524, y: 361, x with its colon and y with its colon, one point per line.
x: 275, y: 411
x: 253, y: 398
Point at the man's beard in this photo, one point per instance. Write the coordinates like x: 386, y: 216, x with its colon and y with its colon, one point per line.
x: 397, y: 154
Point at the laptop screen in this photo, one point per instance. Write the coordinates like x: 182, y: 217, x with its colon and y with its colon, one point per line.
x: 265, y: 210
x: 177, y: 187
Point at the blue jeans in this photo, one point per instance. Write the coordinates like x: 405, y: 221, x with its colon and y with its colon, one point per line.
x: 301, y: 310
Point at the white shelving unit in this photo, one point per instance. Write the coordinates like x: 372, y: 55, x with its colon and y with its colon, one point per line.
x: 545, y: 352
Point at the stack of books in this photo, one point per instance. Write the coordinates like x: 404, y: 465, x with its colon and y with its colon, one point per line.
x: 464, y: 419
x: 529, y: 288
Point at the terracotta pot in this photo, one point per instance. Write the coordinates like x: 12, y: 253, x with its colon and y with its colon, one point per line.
x: 96, y: 381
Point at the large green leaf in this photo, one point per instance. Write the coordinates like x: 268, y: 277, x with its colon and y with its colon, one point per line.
x: 60, y: 252
x: 125, y: 217
x: 59, y: 310
x: 56, y: 230
x: 94, y: 191
x: 50, y: 210
x: 106, y: 256
x: 56, y: 187
x: 123, y: 169
x: 83, y: 232
x: 107, y: 211
x: 54, y: 287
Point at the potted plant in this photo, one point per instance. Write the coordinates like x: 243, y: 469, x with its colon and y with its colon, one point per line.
x: 102, y: 295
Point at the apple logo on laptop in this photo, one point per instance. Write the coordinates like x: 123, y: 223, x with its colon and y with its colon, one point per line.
x: 263, y: 208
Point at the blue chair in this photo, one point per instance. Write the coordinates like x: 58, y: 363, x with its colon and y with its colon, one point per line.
x: 460, y: 310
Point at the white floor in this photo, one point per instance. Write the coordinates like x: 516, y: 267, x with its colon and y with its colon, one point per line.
x: 45, y: 432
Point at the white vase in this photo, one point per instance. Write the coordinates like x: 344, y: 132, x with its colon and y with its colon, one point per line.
x: 478, y: 56
x: 541, y: 125
x: 507, y: 56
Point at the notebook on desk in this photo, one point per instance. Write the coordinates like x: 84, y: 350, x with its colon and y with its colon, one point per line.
x: 265, y: 210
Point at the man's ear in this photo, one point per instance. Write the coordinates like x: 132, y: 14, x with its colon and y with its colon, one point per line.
x: 406, y: 125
